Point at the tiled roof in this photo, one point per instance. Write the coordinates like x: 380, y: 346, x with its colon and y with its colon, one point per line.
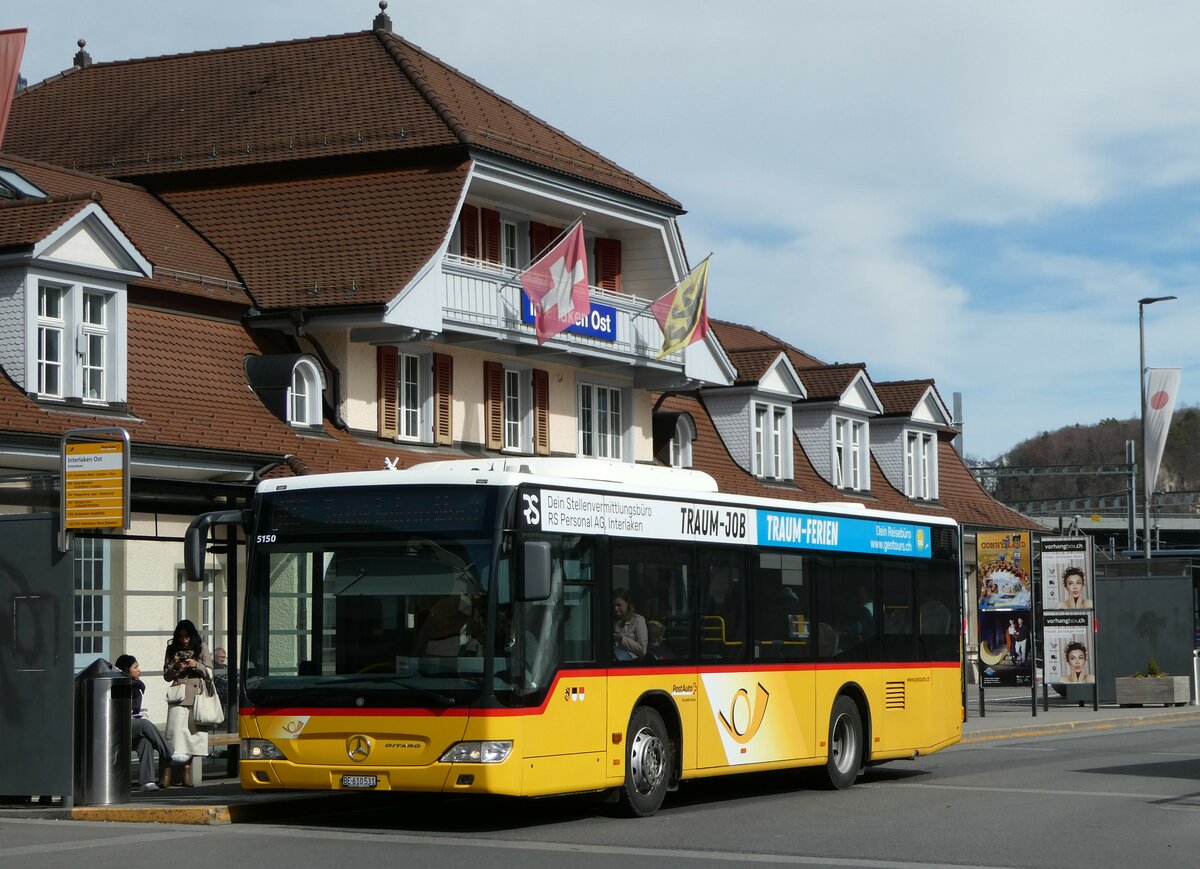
x: 187, y: 389
x: 752, y: 364
x: 336, y: 240
x: 353, y: 94
x: 26, y: 222
x: 900, y: 397
x: 829, y: 382
x: 961, y: 497
x: 183, y: 261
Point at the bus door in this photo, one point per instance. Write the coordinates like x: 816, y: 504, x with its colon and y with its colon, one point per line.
x: 564, y: 744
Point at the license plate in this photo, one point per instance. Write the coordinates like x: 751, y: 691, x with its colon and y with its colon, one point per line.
x: 359, y: 781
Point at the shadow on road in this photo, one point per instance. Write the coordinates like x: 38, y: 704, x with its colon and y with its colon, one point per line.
x: 435, y: 813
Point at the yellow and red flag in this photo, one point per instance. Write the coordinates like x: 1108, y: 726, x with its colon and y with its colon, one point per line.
x: 12, y: 46
x: 683, y: 312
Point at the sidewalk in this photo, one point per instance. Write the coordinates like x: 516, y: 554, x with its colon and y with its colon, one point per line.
x: 1008, y: 715
x: 222, y: 801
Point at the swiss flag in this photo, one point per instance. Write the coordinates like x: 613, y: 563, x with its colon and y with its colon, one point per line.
x: 557, y: 284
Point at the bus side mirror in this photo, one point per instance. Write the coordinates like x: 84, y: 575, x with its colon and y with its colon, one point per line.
x: 196, y: 540
x: 535, y: 570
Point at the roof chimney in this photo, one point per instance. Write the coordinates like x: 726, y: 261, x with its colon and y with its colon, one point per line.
x: 382, y: 21
x: 82, y: 58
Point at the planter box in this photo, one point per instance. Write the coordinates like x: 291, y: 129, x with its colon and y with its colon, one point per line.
x: 1164, y: 691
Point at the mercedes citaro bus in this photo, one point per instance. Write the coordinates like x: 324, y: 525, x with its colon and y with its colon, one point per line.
x: 550, y: 626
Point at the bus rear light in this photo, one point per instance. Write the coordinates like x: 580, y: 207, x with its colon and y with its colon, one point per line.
x: 260, y: 749
x: 489, y: 751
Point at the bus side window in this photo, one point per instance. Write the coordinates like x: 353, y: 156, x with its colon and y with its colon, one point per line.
x: 937, y: 607
x: 655, y: 576
x: 723, y: 608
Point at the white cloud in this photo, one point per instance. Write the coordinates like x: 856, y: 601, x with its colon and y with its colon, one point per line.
x: 823, y: 151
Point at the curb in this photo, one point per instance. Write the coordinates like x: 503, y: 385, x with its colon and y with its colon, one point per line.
x: 1032, y: 730
x: 196, y: 815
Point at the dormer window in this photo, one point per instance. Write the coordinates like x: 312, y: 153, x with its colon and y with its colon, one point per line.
x: 920, y: 465
x: 849, y: 454
x: 304, y: 396
x: 772, y: 445
x: 680, y: 447
x: 76, y: 342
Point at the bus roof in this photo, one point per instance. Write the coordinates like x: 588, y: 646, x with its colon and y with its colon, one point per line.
x: 623, y: 478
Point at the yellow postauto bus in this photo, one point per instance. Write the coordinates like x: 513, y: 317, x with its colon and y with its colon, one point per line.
x: 549, y: 626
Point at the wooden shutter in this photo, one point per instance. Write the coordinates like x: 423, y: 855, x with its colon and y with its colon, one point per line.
x: 540, y: 237
x: 491, y: 234
x: 541, y: 412
x: 493, y: 405
x: 443, y: 399
x: 389, y: 411
x: 469, y: 221
x: 608, y: 264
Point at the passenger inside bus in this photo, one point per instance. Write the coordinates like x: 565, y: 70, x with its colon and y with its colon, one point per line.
x: 452, y: 628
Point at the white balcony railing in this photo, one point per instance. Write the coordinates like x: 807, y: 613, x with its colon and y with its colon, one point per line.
x: 486, y: 298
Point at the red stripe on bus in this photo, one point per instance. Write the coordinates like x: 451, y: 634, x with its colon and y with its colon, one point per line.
x: 623, y: 672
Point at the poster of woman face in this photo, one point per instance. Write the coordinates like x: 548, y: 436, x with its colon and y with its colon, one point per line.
x: 1066, y: 573
x: 1069, y: 655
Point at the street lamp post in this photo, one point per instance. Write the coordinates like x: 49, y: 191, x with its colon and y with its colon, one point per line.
x: 1147, y: 483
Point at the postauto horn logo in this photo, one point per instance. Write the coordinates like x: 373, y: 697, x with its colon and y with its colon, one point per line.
x: 744, y: 719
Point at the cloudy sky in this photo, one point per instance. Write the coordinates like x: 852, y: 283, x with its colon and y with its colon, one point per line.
x: 974, y: 192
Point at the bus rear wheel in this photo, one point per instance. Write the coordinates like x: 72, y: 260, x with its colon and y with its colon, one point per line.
x: 845, y: 761
x: 647, y: 764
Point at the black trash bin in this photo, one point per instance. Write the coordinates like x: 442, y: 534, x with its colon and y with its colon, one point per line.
x: 103, y: 738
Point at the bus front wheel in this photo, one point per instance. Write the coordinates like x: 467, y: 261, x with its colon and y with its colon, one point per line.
x: 845, y: 744
x: 647, y: 764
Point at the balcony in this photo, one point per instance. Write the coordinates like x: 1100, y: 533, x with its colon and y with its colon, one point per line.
x: 484, y: 300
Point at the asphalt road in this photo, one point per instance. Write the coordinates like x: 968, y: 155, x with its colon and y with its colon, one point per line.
x: 1117, y: 798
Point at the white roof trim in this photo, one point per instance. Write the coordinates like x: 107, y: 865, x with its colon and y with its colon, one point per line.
x: 94, y: 214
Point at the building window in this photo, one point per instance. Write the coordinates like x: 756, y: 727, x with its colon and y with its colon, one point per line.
x: 50, y: 328
x: 513, y: 415
x: 408, y: 388
x: 304, y: 396
x: 849, y: 457
x: 95, y: 336
x: 680, y: 447
x: 92, y: 600
x: 778, y: 442
x: 772, y: 456
x: 920, y: 466
x: 601, y: 422
x: 76, y: 343
x: 508, y: 244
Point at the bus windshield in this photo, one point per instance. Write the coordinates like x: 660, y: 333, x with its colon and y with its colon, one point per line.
x: 369, y: 596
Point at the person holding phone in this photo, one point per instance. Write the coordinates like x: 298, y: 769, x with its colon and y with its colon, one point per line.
x: 186, y: 665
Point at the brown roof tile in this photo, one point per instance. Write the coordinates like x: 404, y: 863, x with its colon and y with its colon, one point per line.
x: 829, y: 382
x: 340, y: 240
x: 900, y: 397
x: 184, y: 262
x: 961, y: 497
x: 26, y: 222
x: 357, y: 93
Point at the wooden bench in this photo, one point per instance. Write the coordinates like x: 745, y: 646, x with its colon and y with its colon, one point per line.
x: 223, y: 739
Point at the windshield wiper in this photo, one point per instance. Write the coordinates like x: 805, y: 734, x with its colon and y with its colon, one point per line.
x: 427, y: 693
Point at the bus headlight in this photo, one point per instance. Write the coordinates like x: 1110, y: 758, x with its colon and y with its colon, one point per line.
x: 260, y: 749
x: 489, y: 751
